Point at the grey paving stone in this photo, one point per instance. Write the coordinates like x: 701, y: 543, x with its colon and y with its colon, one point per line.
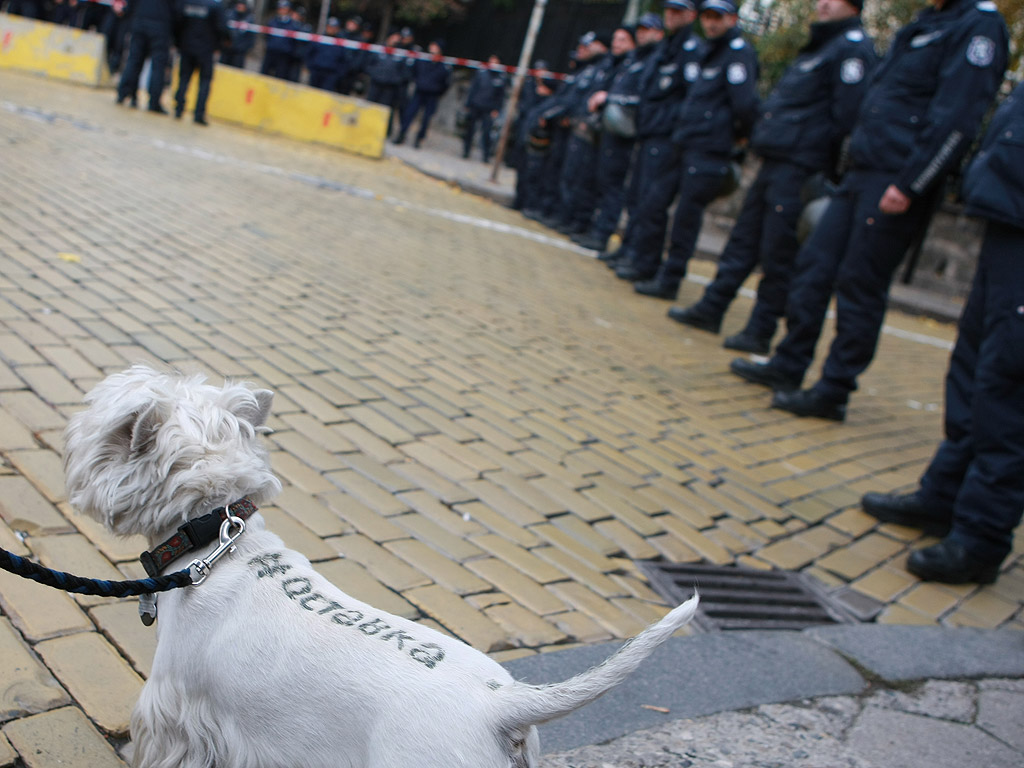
x: 691, y: 676
x: 1001, y: 713
x: 897, y: 653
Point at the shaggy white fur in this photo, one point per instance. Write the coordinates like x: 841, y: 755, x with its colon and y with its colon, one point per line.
x: 267, y: 664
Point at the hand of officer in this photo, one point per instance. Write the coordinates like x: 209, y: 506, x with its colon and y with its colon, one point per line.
x: 494, y: 113
x: 893, y: 201
x: 596, y: 100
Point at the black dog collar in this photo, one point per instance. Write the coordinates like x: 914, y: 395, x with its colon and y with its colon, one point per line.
x: 192, y: 535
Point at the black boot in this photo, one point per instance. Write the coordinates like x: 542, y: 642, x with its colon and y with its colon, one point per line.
x: 906, y: 509
x: 809, y: 402
x: 763, y: 373
x: 950, y: 562
x: 693, y: 317
x: 656, y: 288
x: 748, y: 342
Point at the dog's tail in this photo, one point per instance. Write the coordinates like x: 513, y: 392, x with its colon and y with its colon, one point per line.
x: 526, y: 704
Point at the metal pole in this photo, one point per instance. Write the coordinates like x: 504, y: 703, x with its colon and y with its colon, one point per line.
x: 632, y: 12
x: 525, y: 54
x: 325, y: 12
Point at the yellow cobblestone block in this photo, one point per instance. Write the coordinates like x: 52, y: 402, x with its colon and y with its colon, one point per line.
x: 525, y: 627
x: 454, y: 613
x: 620, y: 623
x: 383, y: 565
x: 61, y: 738
x: 40, y: 611
x: 28, y: 687
x: 367, y: 492
x: 120, y: 623
x: 296, y: 535
x: 43, y: 469
x: 517, y: 585
x: 23, y: 508
x: 453, y: 546
x: 441, y: 569
x: 97, y: 676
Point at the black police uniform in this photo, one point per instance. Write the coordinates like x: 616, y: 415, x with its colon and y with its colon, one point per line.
x: 976, y: 478
x: 389, y: 73
x: 615, y: 150
x: 202, y: 28
x: 240, y: 41
x: 299, y: 52
x: 326, y: 63
x: 277, y: 58
x: 430, y: 79
x: 671, y: 71
x: 718, y: 110
x: 553, y: 123
x: 923, y: 106
x: 799, y: 133
x: 152, y: 24
x: 486, y: 96
x: 577, y: 185
x: 538, y: 158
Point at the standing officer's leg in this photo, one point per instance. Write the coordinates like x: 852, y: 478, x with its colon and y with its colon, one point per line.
x: 205, y: 63
x: 158, y: 68
x: 698, y: 187
x: 736, y: 262
x: 991, y: 498
x: 467, y: 137
x: 646, y: 235
x: 186, y: 66
x: 777, y: 251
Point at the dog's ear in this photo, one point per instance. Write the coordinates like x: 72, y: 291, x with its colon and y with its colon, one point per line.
x: 258, y: 413
x: 144, y: 428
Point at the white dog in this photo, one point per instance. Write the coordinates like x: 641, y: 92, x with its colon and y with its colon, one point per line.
x: 266, y: 664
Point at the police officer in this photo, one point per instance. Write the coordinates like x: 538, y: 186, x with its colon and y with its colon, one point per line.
x: 325, y: 60
x: 278, y: 55
x: 152, y: 26
x: 799, y: 133
x: 921, y: 111
x: 389, y: 73
x: 202, y: 29
x: 973, y: 490
x: 718, y: 111
x: 300, y: 48
x: 240, y: 41
x: 483, y: 104
x: 619, y: 105
x: 672, y: 69
x: 536, y: 140
x: 431, y: 79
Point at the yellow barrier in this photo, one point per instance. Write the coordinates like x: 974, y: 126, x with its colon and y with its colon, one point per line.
x: 46, y: 49
x: 237, y: 96
x: 293, y: 110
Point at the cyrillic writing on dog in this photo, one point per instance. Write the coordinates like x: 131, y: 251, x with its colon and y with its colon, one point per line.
x: 300, y: 590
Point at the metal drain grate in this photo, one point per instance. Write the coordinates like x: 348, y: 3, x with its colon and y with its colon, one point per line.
x: 746, y: 598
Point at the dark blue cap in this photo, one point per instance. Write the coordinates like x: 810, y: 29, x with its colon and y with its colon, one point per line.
x: 681, y: 5
x: 722, y: 6
x: 650, y: 21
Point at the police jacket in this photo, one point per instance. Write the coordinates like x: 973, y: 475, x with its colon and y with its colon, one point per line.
x: 814, y: 105
x: 722, y: 104
x: 628, y: 78
x: 327, y: 57
x: 388, y: 68
x: 431, y: 77
x: 994, y: 182
x: 487, y: 91
x: 279, y: 43
x: 669, y: 72
x: 927, y: 97
x: 202, y: 26
x: 576, y: 89
x: 153, y: 15
x: 242, y: 40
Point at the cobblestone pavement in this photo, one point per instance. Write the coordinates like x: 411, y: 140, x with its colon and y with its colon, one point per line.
x: 477, y: 426
x: 937, y: 723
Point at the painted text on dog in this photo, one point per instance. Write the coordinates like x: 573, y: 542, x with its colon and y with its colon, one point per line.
x: 300, y: 590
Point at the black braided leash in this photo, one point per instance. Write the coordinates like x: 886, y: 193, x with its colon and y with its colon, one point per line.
x: 70, y: 583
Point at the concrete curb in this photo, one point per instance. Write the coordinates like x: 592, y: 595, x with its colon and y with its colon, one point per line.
x: 712, y: 673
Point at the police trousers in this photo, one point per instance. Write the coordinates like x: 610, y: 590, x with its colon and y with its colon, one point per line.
x: 977, y: 474
x: 187, y: 65
x: 148, y: 40
x: 614, y: 159
x: 765, y: 233
x: 854, y: 251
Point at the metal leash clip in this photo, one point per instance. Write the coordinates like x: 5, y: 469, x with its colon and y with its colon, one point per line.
x: 200, y: 569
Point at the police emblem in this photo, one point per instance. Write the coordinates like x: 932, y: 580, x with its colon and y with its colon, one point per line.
x: 737, y: 43
x: 855, y: 35
x: 665, y: 83
x: 736, y: 73
x: 851, y: 71
x: 692, y: 71
x: 690, y: 44
x: 981, y: 51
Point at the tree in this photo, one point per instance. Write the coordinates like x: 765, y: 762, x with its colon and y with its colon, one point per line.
x: 406, y: 11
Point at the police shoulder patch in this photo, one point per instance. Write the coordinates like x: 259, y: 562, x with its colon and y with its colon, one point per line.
x: 855, y: 35
x: 692, y: 71
x: 690, y: 44
x: 851, y: 71
x: 987, y: 5
x: 736, y: 73
x: 738, y: 43
x: 981, y: 51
